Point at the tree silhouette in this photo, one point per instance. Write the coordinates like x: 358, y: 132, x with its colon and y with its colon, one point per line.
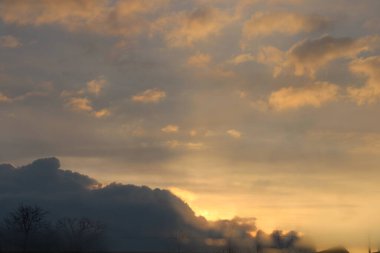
x: 80, y: 234
x: 229, y: 247
x: 25, y: 220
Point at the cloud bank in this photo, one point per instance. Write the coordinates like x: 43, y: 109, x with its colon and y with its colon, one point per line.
x: 137, y: 217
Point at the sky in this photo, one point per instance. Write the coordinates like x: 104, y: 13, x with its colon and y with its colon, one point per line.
x: 250, y: 108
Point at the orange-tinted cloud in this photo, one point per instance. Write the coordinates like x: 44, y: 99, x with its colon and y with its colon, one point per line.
x: 82, y: 104
x: 170, y: 129
x: 120, y: 18
x: 234, y: 133
x: 306, y: 57
x: 150, y: 96
x: 95, y: 86
x: 4, y: 98
x: 81, y: 100
x: 370, y: 92
x: 241, y: 58
x: 102, y: 113
x: 268, y: 23
x: 186, y: 28
x: 309, y: 55
x: 313, y: 95
x: 79, y: 104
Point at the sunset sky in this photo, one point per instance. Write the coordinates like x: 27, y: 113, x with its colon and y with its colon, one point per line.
x: 253, y: 108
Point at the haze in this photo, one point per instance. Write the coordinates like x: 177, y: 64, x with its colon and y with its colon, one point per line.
x: 249, y: 108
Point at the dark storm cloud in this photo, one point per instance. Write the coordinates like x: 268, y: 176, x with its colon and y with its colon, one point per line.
x: 137, y: 218
x: 45, y: 171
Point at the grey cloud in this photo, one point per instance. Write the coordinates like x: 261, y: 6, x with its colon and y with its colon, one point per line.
x: 280, y: 240
x: 307, y: 56
x: 134, y: 215
x: 137, y: 217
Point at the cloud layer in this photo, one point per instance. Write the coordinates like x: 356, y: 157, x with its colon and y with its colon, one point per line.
x: 253, y: 103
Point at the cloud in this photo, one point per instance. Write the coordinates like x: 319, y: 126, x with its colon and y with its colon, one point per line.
x: 267, y: 55
x: 314, y: 95
x: 370, y: 92
x: 79, y: 104
x: 115, y: 18
x: 95, y: 86
x: 150, y: 96
x: 186, y: 145
x: 79, y: 101
x: 270, y: 55
x: 36, y: 93
x: 199, y: 60
x: 170, y: 129
x: 9, y: 41
x: 268, y: 23
x: 83, y: 104
x: 241, y: 58
x: 184, y: 29
x: 137, y: 218
x: 145, y: 219
x: 102, y: 113
x: 43, y: 175
x: 306, y: 57
x: 4, y: 98
x: 280, y: 240
x: 234, y: 133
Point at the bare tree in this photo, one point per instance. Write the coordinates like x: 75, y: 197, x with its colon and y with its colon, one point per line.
x: 80, y: 234
x: 25, y: 220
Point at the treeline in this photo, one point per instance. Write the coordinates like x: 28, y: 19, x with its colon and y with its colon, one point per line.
x: 28, y: 229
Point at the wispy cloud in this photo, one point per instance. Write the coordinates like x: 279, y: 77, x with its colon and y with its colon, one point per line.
x: 370, y: 92
x: 79, y: 104
x: 149, y: 96
x: 308, y: 56
x: 184, y: 29
x: 118, y: 18
x: 95, y: 86
x: 170, y: 129
x: 174, y: 144
x: 234, y: 133
x: 287, y: 23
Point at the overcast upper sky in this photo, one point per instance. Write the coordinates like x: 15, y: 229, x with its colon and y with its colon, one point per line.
x: 256, y: 108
